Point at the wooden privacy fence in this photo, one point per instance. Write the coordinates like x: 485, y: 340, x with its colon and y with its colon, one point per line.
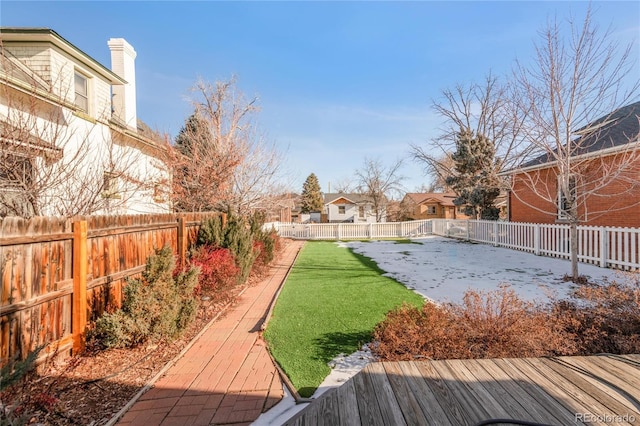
x: 59, y: 273
x: 607, y: 247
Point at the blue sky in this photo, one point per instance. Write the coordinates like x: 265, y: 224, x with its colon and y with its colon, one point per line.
x: 337, y: 81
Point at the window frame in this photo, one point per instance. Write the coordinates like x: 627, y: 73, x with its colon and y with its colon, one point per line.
x: 432, y: 210
x: 110, y: 185
x: 342, y: 209
x: 84, y: 96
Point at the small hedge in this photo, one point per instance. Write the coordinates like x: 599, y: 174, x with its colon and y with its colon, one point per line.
x: 498, y: 324
x: 244, y: 238
x: 218, y: 269
x: 159, y: 305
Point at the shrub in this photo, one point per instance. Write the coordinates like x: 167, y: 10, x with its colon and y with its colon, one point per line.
x: 238, y: 239
x: 408, y: 332
x: 218, y: 269
x: 499, y: 324
x: 158, y: 305
x: 486, y: 325
x: 266, y: 243
x: 211, y: 232
x: 265, y: 246
x: 236, y: 236
x: 604, y: 318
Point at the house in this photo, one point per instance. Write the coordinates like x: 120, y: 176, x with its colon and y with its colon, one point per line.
x: 605, y: 178
x: 432, y: 205
x: 343, y: 207
x: 71, y: 142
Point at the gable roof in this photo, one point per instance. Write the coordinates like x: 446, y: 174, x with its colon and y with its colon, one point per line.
x: 354, y: 198
x: 47, y: 35
x: 443, y: 198
x: 616, y: 129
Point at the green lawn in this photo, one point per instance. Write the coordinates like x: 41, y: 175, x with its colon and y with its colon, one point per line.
x: 329, y: 305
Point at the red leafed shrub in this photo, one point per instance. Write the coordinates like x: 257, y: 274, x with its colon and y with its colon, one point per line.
x: 486, y: 325
x: 218, y: 269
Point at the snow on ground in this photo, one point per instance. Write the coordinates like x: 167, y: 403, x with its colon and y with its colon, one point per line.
x: 442, y: 269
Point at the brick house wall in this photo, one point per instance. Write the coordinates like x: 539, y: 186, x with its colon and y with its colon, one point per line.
x: 603, y: 208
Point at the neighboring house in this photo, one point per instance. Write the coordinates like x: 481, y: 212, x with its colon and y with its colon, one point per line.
x: 432, y: 205
x: 342, y: 207
x: 71, y: 142
x: 611, y: 150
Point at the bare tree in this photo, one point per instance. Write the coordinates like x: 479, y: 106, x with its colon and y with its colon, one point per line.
x: 570, y: 83
x: 256, y: 181
x: 53, y: 162
x: 380, y: 183
x: 482, y: 110
x: 220, y: 159
x: 344, y: 185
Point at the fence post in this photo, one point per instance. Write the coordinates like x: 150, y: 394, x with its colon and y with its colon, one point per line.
x: 370, y: 230
x: 536, y: 239
x: 495, y: 234
x: 79, y: 298
x: 339, y: 231
x: 224, y: 219
x: 468, y: 234
x: 182, y: 240
x: 603, y: 247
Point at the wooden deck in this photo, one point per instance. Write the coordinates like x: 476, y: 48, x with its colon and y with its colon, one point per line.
x: 595, y: 390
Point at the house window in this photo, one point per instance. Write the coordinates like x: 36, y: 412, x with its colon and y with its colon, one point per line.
x: 16, y: 172
x: 460, y: 209
x: 431, y: 209
x: 81, y: 88
x: 361, y: 212
x: 110, y: 185
x: 342, y: 209
x: 159, y: 192
x: 564, y: 203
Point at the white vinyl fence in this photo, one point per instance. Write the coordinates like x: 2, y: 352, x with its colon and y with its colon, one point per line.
x: 351, y: 231
x: 617, y: 248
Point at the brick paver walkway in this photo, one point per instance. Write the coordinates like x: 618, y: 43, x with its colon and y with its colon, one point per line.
x: 227, y: 376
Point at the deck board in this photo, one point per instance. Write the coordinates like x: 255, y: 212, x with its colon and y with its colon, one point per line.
x: 433, y: 412
x: 407, y: 401
x: 554, y: 391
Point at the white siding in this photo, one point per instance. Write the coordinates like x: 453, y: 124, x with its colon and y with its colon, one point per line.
x: 88, y: 143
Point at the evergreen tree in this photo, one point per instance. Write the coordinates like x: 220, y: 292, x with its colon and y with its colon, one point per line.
x: 311, y: 196
x: 194, y: 131
x: 475, y: 181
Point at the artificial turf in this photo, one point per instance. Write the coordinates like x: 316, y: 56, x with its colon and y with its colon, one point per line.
x: 329, y: 305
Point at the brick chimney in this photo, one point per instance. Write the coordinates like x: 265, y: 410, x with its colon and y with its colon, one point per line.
x: 124, y: 97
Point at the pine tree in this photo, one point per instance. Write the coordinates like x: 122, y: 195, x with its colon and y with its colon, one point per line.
x: 311, y: 195
x: 475, y: 182
x: 194, y: 131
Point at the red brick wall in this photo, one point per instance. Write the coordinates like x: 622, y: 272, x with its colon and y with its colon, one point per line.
x: 603, y: 208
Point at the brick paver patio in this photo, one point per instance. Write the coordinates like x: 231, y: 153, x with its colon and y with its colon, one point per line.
x: 227, y: 376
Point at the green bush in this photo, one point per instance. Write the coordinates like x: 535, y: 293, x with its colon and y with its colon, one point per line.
x: 238, y: 239
x: 158, y: 305
x: 265, y: 242
x: 236, y: 236
x: 211, y: 232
